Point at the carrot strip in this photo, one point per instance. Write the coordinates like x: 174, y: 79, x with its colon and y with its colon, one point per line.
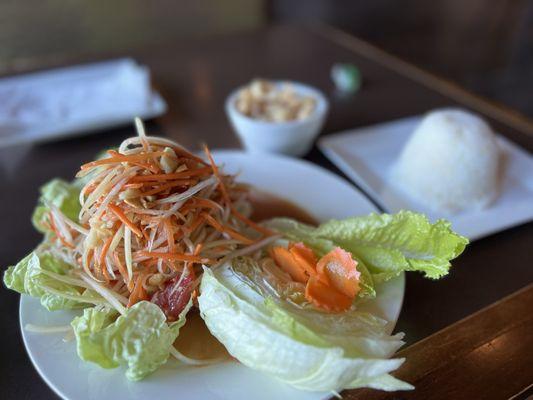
x: 150, y: 167
x: 138, y: 293
x: 227, y: 199
x: 105, y: 273
x: 167, y: 186
x: 105, y: 247
x: 150, y: 263
x: 195, y: 224
x: 198, y: 248
x: 174, y: 256
x: 207, y: 203
x: 120, y: 215
x: 249, y: 222
x: 133, y: 186
x: 235, y: 235
x: 199, y: 202
x: 121, y: 158
x: 180, y: 151
x: 123, y: 272
x: 174, y: 175
x: 167, y: 225
x: 214, y: 167
x: 147, y: 165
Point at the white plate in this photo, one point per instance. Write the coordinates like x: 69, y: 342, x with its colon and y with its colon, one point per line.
x: 320, y: 192
x: 367, y: 155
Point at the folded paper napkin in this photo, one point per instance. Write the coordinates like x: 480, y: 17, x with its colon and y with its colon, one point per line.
x: 80, y: 94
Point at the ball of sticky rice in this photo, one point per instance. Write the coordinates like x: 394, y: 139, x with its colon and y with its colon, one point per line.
x: 450, y: 163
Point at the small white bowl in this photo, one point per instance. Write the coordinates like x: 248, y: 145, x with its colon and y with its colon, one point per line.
x: 291, y: 137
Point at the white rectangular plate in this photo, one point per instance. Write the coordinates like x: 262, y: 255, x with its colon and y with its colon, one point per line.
x: 366, y: 155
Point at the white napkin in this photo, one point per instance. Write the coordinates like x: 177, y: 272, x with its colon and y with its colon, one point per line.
x: 68, y: 96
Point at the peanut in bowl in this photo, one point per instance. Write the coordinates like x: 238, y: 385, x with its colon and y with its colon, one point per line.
x: 277, y: 116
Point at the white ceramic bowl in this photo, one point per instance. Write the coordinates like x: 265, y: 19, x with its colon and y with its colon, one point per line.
x: 292, y: 137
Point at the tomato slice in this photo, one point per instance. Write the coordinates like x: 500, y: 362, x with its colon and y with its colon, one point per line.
x: 173, y: 298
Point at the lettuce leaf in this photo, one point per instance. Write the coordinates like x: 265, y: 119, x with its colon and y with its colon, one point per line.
x: 62, y: 194
x: 27, y: 277
x: 303, y: 347
x: 386, y: 244
x: 140, y: 339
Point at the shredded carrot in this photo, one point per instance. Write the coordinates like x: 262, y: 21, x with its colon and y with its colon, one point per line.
x: 224, y: 229
x: 138, y: 293
x: 207, y: 203
x: 120, y: 215
x: 171, y: 176
x: 216, y: 172
x: 174, y: 256
x: 194, y: 224
x: 133, y: 185
x: 198, y: 248
x: 167, y: 225
x: 148, y: 166
x: 166, y: 186
x: 122, y: 158
x: 123, y: 272
x: 198, y: 202
x: 180, y: 151
x: 257, y: 227
x: 105, y: 248
x: 160, y: 244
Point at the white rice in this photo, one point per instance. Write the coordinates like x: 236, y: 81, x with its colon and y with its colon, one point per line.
x: 450, y: 163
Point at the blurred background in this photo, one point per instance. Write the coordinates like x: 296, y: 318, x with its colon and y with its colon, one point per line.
x: 483, y: 45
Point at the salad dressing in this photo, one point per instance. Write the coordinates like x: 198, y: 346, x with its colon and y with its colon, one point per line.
x: 195, y: 340
x: 266, y: 206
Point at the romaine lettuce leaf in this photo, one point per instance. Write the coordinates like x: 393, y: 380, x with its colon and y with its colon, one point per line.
x: 306, y: 348
x: 388, y: 244
x: 63, y: 195
x: 27, y: 277
x: 140, y: 339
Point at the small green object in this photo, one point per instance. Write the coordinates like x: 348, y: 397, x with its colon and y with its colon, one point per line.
x: 346, y: 77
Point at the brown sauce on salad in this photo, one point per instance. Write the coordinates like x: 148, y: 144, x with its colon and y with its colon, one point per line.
x: 195, y: 340
x: 266, y: 206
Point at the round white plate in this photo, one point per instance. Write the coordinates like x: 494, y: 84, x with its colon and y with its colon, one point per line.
x: 318, y: 191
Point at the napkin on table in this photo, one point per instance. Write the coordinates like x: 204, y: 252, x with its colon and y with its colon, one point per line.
x: 73, y: 96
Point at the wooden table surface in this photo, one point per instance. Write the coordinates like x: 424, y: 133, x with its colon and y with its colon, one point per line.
x: 195, y: 77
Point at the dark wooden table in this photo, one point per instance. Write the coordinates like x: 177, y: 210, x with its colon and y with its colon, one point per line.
x: 195, y: 77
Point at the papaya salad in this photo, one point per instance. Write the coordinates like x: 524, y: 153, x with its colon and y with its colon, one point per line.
x: 152, y: 215
x: 149, y: 231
